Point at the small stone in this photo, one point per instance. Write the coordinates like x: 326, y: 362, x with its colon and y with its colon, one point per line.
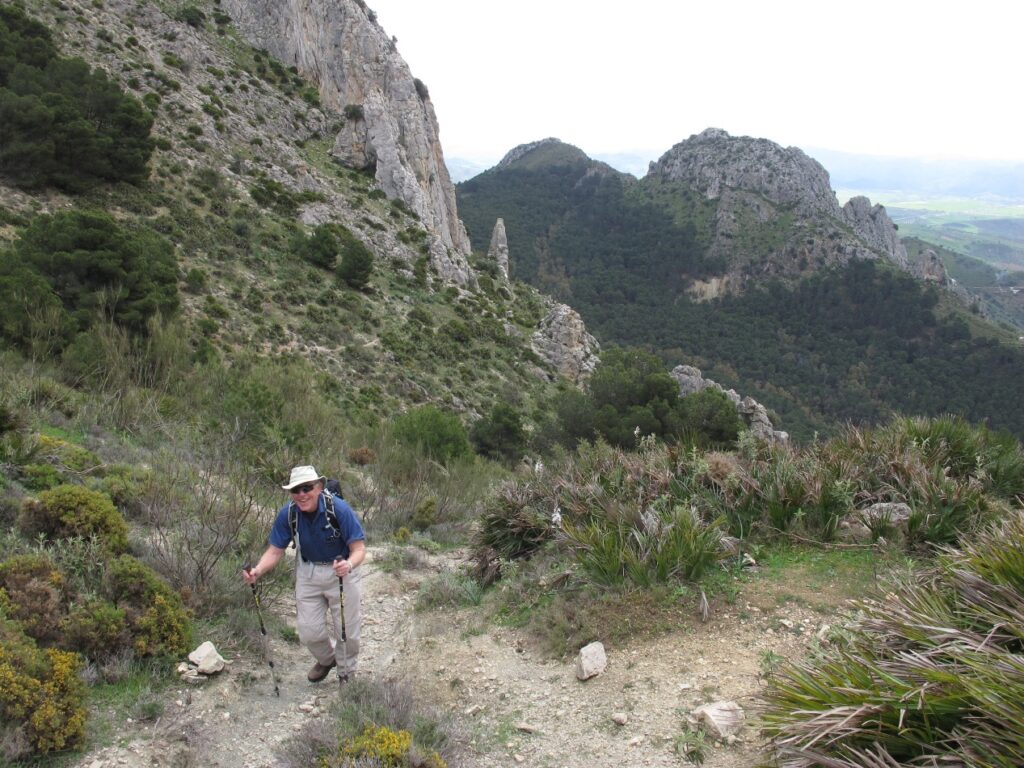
x: 518, y: 758
x: 636, y: 741
x: 591, y: 661
x: 721, y: 718
x: 306, y: 707
x: 526, y: 727
x: 620, y: 718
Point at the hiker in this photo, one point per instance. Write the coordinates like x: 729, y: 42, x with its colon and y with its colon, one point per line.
x: 326, y: 550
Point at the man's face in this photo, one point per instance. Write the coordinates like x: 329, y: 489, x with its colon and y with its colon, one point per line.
x: 307, y: 496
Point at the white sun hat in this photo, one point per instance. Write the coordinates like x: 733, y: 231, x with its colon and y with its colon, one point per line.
x: 304, y: 474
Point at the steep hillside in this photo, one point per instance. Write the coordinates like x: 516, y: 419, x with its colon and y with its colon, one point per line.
x: 289, y: 143
x: 733, y: 254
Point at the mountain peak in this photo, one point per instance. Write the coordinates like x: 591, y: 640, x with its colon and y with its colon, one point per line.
x: 713, y: 161
x: 550, y: 151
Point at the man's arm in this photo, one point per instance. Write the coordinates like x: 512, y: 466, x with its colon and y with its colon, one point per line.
x: 356, y: 555
x: 268, y: 560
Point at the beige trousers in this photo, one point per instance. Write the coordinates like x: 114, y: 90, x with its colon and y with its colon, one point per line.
x: 318, y: 602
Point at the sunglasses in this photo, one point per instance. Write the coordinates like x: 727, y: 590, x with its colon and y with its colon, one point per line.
x: 303, y: 488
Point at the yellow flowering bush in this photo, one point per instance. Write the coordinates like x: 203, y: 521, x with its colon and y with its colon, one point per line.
x: 40, y: 691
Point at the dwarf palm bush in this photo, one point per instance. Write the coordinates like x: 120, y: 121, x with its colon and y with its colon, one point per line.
x: 665, y: 542
x: 931, y: 674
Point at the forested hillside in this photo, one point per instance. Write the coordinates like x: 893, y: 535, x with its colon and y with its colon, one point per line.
x: 846, y: 343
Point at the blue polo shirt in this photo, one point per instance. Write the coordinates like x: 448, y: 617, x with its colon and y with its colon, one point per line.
x: 319, y: 541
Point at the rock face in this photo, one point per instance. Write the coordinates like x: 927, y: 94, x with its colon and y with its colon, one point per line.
x: 876, y: 229
x: 389, y: 122
x: 929, y: 267
x: 772, y: 211
x: 563, y: 341
x: 754, y: 415
x: 498, y: 250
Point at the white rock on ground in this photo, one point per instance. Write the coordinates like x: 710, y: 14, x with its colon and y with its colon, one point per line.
x: 592, y: 661
x: 206, y: 658
x: 721, y: 718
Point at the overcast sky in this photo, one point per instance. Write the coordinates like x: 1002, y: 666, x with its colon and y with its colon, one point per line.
x: 899, y: 77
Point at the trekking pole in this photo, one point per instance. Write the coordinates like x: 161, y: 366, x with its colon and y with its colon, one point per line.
x: 343, y: 673
x: 263, y: 629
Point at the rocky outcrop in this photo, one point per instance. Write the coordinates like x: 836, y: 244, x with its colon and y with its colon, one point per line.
x: 754, y: 415
x: 929, y: 267
x: 774, y: 212
x: 713, y: 162
x: 389, y: 122
x: 875, y: 228
x: 563, y: 341
x: 498, y: 250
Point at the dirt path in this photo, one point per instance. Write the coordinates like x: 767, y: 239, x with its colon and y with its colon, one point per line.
x: 517, y: 708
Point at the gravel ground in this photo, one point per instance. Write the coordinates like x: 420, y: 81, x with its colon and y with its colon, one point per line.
x: 514, y: 706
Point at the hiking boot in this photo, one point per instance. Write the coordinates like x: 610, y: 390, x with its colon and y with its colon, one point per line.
x: 319, y: 671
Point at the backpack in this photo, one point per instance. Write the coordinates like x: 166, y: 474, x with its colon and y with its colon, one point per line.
x: 332, y: 490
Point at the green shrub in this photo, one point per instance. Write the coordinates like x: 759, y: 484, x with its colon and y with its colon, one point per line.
x: 96, y: 628
x: 356, y: 263
x: 439, y: 435
x: 41, y: 693
x: 71, y: 267
x: 34, y: 593
x: 320, y: 249
x: 73, y: 510
x: 425, y: 514
x: 156, y: 617
x: 709, y: 416
x: 499, y: 434
x: 40, y: 477
x: 191, y: 16
x: 930, y: 674
x: 68, y: 455
x: 48, y: 106
x: 124, y: 484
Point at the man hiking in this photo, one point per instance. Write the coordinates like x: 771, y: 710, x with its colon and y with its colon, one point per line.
x: 330, y: 545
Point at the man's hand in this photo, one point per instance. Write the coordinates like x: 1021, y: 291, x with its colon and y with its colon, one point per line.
x: 342, y: 568
x: 249, y: 575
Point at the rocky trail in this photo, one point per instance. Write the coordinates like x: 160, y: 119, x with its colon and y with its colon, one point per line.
x: 513, y: 706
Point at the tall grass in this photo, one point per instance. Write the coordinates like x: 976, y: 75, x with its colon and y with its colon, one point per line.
x: 931, y: 674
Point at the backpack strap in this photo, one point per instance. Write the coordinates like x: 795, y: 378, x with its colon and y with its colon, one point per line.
x: 293, y: 523
x: 332, y: 516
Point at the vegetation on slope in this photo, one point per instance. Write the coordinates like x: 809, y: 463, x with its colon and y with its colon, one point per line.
x: 854, y: 344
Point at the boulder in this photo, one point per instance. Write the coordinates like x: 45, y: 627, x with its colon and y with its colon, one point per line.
x: 206, y: 659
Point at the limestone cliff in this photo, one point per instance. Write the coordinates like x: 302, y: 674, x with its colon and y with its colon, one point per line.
x: 389, y: 122
x: 773, y: 211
